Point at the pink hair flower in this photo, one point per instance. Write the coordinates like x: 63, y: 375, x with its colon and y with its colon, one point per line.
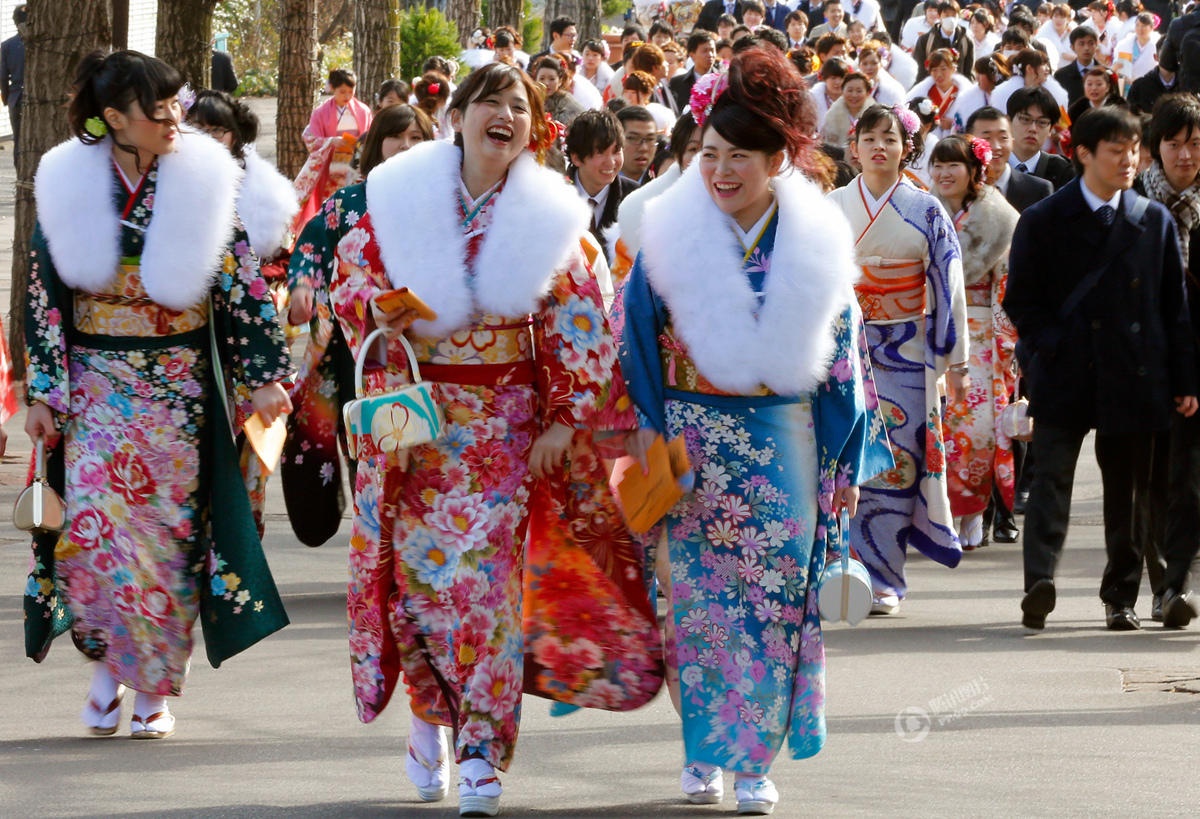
x: 909, y: 121
x: 982, y: 150
x: 704, y: 95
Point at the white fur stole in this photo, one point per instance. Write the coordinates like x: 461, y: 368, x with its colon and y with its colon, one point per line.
x: 267, y: 204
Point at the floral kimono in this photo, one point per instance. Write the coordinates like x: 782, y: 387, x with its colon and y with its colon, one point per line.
x: 977, y: 451
x: 912, y: 300
x: 331, y: 137
x: 132, y: 289
x: 776, y: 413
x: 444, y: 555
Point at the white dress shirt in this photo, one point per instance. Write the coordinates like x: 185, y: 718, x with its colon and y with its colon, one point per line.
x: 600, y: 199
x: 1095, y: 202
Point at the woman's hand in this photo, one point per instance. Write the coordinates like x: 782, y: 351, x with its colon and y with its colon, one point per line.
x: 549, y: 449
x: 395, y: 322
x: 39, y: 424
x: 956, y: 386
x: 637, y: 444
x: 270, y: 402
x: 846, y: 497
x: 300, y: 306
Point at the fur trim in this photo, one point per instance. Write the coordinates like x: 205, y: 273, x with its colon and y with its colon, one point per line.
x: 188, y: 234
x: 986, y: 234
x: 413, y: 200
x: 633, y: 208
x: 266, y: 204
x: 694, y: 263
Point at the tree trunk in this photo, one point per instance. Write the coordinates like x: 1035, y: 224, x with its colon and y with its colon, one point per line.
x: 504, y: 13
x: 465, y: 15
x: 585, y: 13
x: 60, y: 35
x: 120, y: 25
x: 297, y: 82
x: 183, y: 38
x: 376, y: 44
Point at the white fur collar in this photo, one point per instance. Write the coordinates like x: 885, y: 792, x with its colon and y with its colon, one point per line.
x: 266, y: 204
x: 633, y: 208
x: 413, y: 202
x: 693, y: 261
x: 189, y: 231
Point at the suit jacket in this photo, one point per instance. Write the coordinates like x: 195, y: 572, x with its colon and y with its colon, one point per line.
x: 1070, y: 78
x: 12, y: 71
x: 776, y: 15
x: 1057, y: 170
x: 1145, y: 91
x: 617, y: 191
x: 1025, y: 189
x: 933, y: 39
x: 223, y: 76
x: 681, y: 88
x: 712, y: 12
x: 1117, y: 360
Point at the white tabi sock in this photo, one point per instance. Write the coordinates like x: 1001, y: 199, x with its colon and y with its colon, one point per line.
x: 147, y: 705
x: 104, y: 686
x: 428, y: 739
x: 476, y: 770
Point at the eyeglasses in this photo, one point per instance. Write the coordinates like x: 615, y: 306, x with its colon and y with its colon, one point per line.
x: 643, y: 141
x: 214, y: 131
x: 1040, y: 122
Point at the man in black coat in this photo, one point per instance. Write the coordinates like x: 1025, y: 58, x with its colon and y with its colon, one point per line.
x: 224, y: 78
x: 1032, y: 113
x: 702, y: 49
x: 1171, y: 54
x: 595, y: 144
x: 1096, y: 291
x: 12, y: 75
x: 1146, y: 89
x: 712, y: 11
x: 948, y: 33
x: 1070, y: 76
x: 1020, y: 189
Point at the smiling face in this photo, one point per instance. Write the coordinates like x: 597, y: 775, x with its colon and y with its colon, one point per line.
x: 997, y: 134
x: 150, y: 138
x: 1180, y: 157
x: 855, y: 93
x: 600, y: 169
x: 950, y: 179
x: 400, y: 143
x: 495, y: 127
x: 834, y: 14
x: 880, y: 148
x: 641, y: 140
x: 737, y: 179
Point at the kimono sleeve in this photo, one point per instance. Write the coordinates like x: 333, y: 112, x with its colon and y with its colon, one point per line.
x: 257, y: 351
x: 46, y: 315
x: 579, y: 380
x: 946, y: 318
x: 642, y: 318
x: 314, y: 260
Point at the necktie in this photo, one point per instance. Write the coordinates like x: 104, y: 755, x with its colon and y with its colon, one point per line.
x: 729, y: 7
x: 1021, y: 167
x: 592, y: 204
x: 1106, y: 214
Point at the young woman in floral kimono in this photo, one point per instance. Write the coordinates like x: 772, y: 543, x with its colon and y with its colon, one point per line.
x: 139, y: 271
x: 911, y: 294
x: 440, y: 565
x: 978, y: 455
x: 778, y: 416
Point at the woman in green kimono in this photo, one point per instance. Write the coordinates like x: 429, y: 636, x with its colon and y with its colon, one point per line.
x: 143, y: 290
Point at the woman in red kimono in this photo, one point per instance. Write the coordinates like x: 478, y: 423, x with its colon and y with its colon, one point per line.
x: 525, y: 368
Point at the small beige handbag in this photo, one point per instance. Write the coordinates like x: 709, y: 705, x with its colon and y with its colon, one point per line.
x: 39, y: 509
x: 1015, y: 421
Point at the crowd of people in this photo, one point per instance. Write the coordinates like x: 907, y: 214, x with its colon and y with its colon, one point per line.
x: 881, y: 286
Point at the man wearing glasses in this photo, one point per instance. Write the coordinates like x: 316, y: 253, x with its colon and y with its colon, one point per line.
x: 1033, y: 113
x: 641, y: 142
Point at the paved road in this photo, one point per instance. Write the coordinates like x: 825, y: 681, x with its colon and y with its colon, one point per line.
x: 949, y: 708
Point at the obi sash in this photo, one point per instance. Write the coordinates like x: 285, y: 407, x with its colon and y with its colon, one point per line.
x: 891, y: 289
x: 980, y: 293
x: 680, y: 373
x: 494, y: 352
x: 124, y: 310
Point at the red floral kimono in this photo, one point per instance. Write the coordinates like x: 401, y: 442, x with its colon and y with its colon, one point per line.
x: 444, y: 554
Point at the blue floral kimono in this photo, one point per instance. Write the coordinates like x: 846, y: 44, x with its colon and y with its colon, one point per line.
x: 748, y: 545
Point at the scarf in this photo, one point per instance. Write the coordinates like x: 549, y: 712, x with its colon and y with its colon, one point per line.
x: 1184, y: 205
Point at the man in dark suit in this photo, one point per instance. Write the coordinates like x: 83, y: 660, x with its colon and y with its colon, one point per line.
x: 702, y: 49
x: 1020, y: 189
x: 1146, y: 89
x: 595, y: 143
x: 775, y: 15
x: 1033, y: 112
x: 1171, y: 51
x: 224, y: 78
x: 1070, y: 77
x: 948, y: 33
x: 713, y: 10
x: 12, y: 75
x: 1096, y: 291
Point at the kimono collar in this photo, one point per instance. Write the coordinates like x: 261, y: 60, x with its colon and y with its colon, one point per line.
x: 266, y: 204
x: 694, y: 264
x: 413, y: 202
x: 985, y: 234
x: 190, y: 227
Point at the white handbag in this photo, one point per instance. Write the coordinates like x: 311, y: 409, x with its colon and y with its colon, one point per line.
x: 1015, y: 421
x: 39, y: 509
x: 393, y: 420
x: 844, y: 593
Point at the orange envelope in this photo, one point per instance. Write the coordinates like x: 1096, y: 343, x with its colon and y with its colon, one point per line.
x: 392, y: 300
x: 645, y: 498
x: 267, y: 442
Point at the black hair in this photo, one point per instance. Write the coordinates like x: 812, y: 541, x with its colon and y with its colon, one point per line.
x: 987, y: 113
x: 634, y: 113
x: 753, y: 5
x: 914, y: 105
x: 772, y: 36
x: 832, y: 3
x: 1025, y: 98
x: 217, y: 109
x: 20, y: 15
x: 1079, y: 32
x: 560, y: 24
x: 551, y: 61
x: 391, y: 121
x: 796, y: 15
x: 875, y: 115
x: 393, y: 86
x: 1173, y: 113
x: 593, y: 45
x: 698, y: 38
x: 617, y: 105
x: 1014, y: 36
x: 728, y: 19
x: 439, y: 64
x: 681, y: 135
x: 958, y: 148
x: 1128, y: 7
x: 948, y: 5
x: 502, y: 39
x: 342, y: 76
x: 659, y: 27
x: 592, y: 132
x: 117, y: 81
x: 633, y: 31
x: 1108, y: 123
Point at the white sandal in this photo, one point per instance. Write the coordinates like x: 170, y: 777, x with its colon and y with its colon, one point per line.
x: 159, y: 725
x: 96, y: 718
x: 702, y: 788
x: 436, y: 775
x: 756, y: 796
x: 471, y: 802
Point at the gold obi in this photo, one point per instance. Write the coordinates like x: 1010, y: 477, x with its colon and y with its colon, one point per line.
x: 980, y: 293
x: 123, y: 309
x: 891, y: 289
x: 679, y: 370
x: 490, y: 340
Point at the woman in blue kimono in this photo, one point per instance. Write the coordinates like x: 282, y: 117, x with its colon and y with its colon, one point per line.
x: 752, y: 351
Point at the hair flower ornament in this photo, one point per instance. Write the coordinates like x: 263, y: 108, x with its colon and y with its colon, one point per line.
x: 433, y: 88
x: 908, y: 120
x: 187, y: 97
x: 705, y: 93
x: 554, y: 131
x: 96, y: 127
x: 982, y: 150
x: 925, y: 107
